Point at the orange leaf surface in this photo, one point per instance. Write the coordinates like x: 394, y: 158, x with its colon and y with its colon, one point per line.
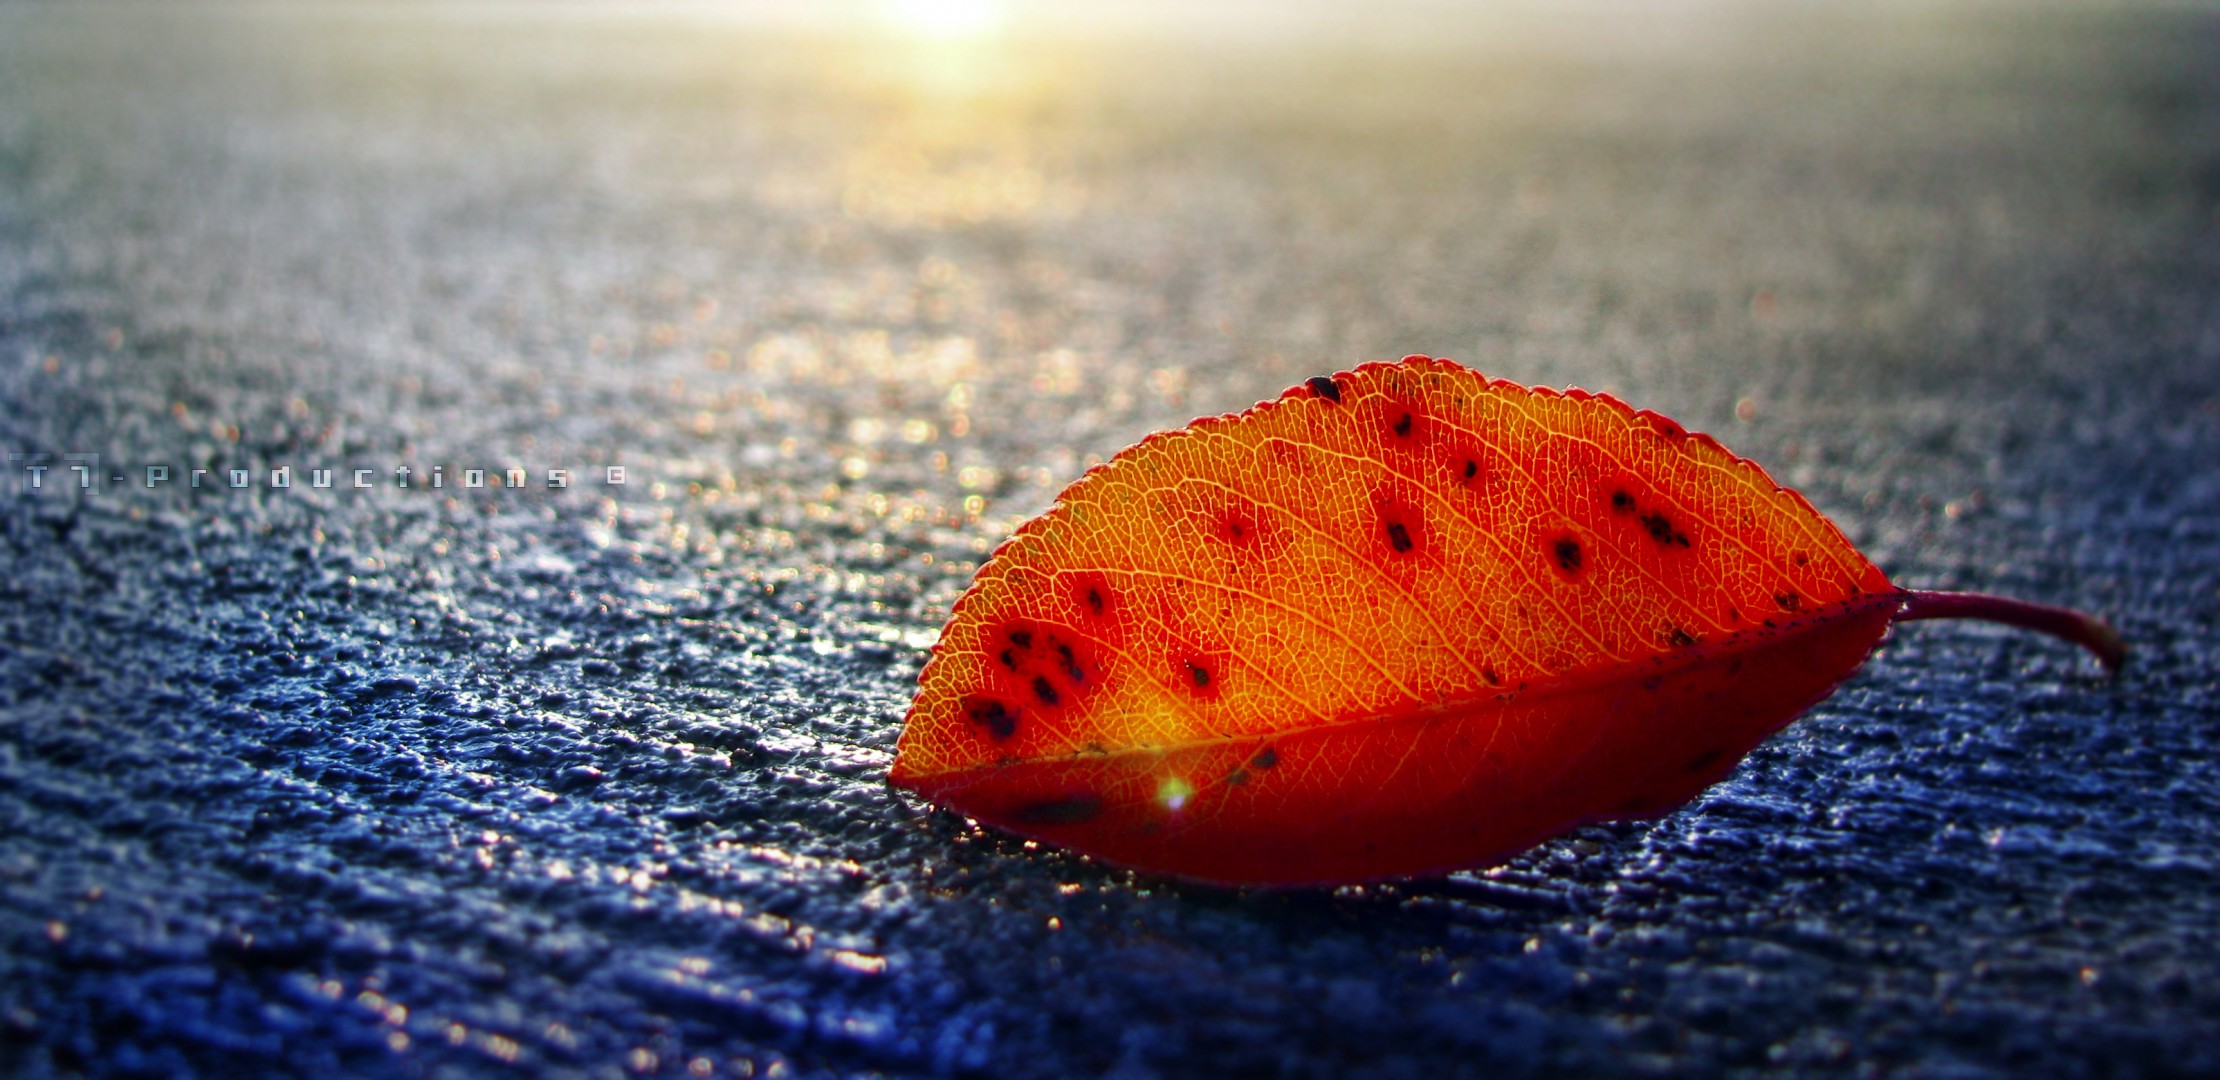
x: 1400, y: 621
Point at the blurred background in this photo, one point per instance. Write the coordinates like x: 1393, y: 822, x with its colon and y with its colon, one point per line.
x: 589, y: 781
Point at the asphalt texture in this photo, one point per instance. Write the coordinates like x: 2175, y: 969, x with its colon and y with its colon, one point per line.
x: 589, y: 781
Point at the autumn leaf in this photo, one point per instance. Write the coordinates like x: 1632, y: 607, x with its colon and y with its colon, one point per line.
x: 1404, y: 620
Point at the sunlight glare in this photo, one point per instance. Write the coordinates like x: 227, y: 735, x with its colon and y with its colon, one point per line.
x: 946, y: 18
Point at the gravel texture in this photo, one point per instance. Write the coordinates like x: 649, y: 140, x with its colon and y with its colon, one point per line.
x: 589, y: 781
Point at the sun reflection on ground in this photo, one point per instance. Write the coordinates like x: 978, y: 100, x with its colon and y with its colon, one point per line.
x: 956, y: 82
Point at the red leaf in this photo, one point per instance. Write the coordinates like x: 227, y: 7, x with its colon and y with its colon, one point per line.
x: 1401, y: 621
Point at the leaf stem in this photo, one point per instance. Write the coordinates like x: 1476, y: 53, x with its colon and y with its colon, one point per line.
x: 2066, y: 624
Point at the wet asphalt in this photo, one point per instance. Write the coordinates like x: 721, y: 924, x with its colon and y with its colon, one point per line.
x: 588, y: 780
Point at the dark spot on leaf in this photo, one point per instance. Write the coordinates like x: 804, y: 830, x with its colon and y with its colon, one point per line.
x: 1802, y: 559
x: 1023, y: 639
x: 1704, y: 760
x: 1622, y: 502
x: 1009, y: 659
x: 1071, y: 663
x: 1403, y: 425
x: 1237, y: 777
x: 1680, y: 638
x: 1472, y: 469
x: 1199, y: 673
x: 1566, y: 551
x: 1789, y: 601
x: 1402, y: 525
x: 1238, y: 524
x: 1046, y: 692
x: 1489, y: 673
x: 1064, y: 810
x: 1094, y: 601
x: 1265, y: 759
x: 999, y: 719
x: 1325, y: 388
x: 1661, y: 530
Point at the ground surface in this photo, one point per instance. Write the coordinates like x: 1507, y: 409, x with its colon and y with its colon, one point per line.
x: 589, y: 781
